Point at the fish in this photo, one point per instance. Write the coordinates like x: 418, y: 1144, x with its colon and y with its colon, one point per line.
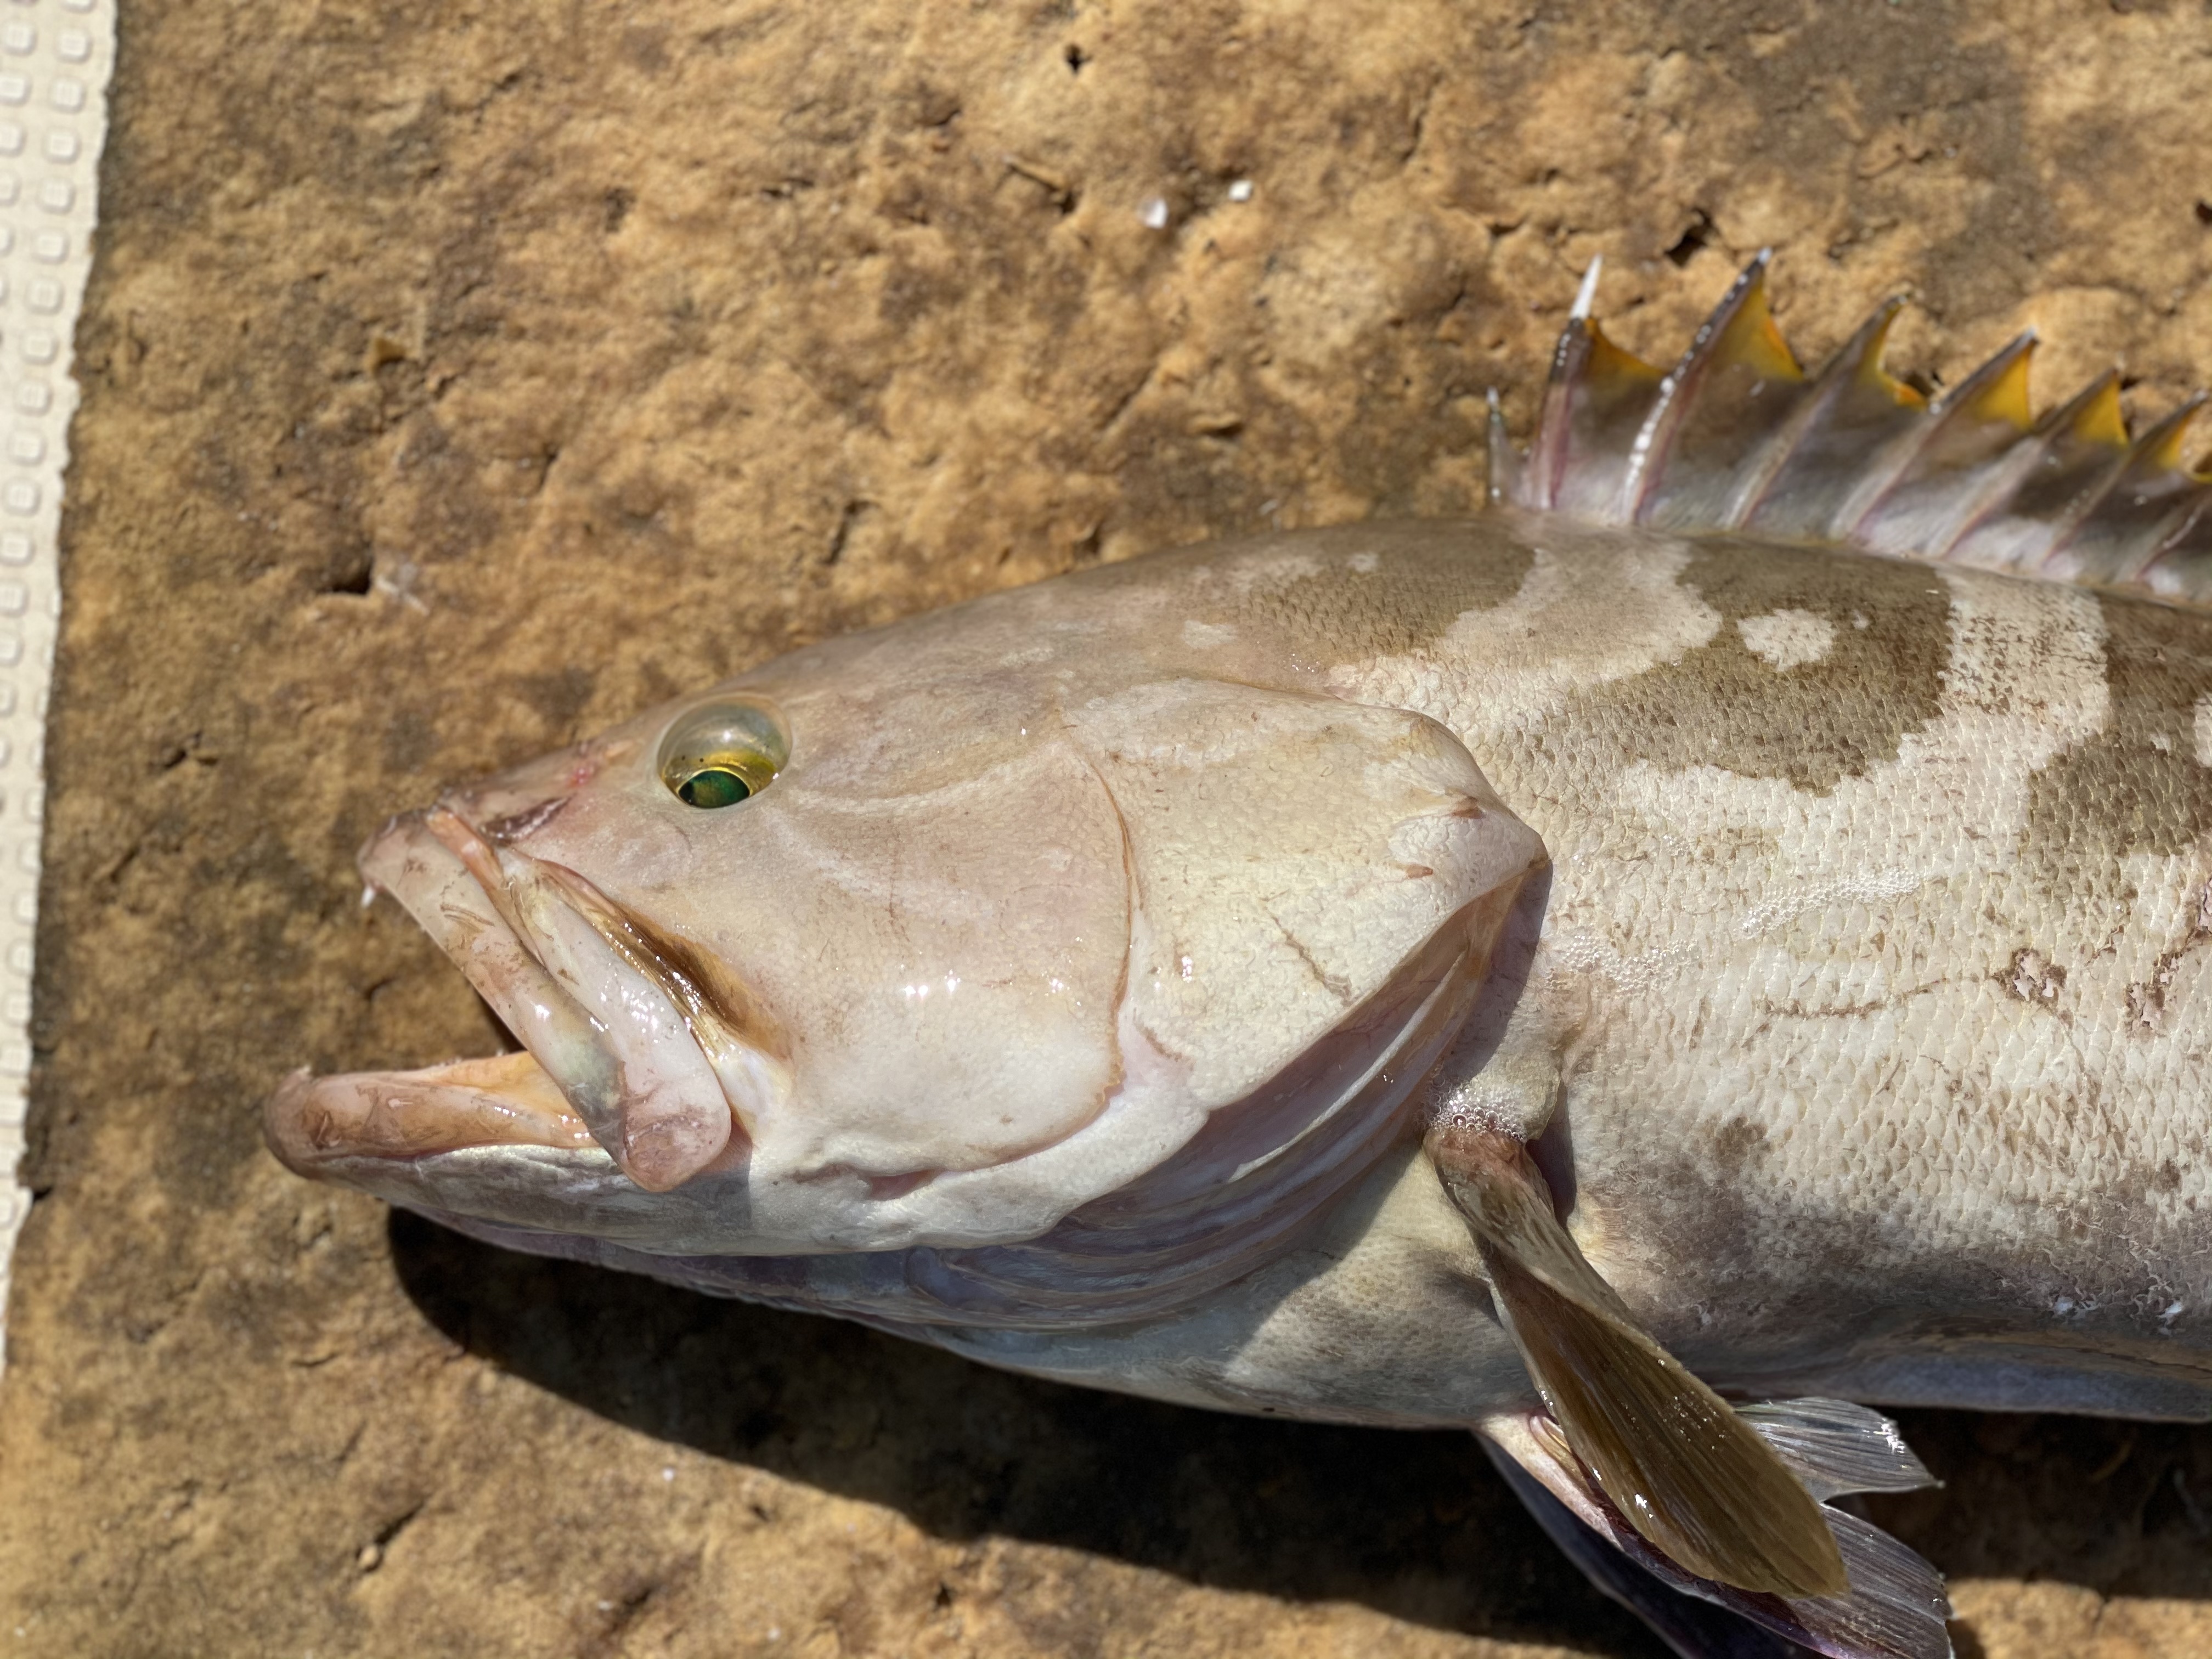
x: 1710, y: 947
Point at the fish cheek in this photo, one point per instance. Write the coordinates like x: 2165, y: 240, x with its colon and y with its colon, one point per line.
x: 1291, y: 854
x: 948, y: 965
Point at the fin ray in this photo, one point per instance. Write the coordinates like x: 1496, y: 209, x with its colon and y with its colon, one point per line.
x: 1836, y: 1448
x: 1736, y: 437
x: 2075, y: 452
x: 1855, y: 410
x: 1594, y: 406
x: 1896, y: 1607
x: 1693, y: 1626
x: 2127, y: 526
x: 1946, y: 462
x: 1733, y: 388
x: 1695, y: 1479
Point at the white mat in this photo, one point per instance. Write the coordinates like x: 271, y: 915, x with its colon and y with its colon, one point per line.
x: 55, y: 60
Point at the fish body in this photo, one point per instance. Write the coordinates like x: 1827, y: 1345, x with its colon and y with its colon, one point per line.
x: 1870, y: 969
x: 1525, y: 972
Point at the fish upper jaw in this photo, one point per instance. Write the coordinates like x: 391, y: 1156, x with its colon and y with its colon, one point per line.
x: 628, y: 1031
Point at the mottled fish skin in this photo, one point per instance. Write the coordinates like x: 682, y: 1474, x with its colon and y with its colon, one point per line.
x: 1873, y: 936
x: 1200, y: 873
x: 1742, y: 903
x: 1876, y: 961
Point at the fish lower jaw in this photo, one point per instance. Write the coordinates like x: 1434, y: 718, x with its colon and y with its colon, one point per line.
x: 505, y: 1100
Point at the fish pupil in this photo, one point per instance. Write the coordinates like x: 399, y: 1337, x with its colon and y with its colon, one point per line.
x: 713, y: 787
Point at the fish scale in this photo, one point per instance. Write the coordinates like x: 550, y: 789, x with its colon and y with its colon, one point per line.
x: 1721, y: 935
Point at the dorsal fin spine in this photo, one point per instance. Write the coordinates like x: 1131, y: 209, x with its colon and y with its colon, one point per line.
x: 2083, y: 421
x: 1547, y: 454
x: 2151, y: 458
x: 2002, y: 483
x: 1733, y: 437
x: 1897, y: 461
x: 2098, y: 419
x: 2162, y: 443
x: 1649, y: 454
x: 1596, y: 397
x: 1502, y: 477
x: 2067, y: 523
x: 2155, y: 575
x: 1586, y: 296
x: 1852, y: 359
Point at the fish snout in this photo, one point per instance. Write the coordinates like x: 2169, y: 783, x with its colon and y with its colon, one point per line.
x: 524, y: 800
x: 647, y: 1038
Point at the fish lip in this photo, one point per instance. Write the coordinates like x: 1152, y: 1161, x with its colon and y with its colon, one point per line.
x: 670, y: 1113
x: 461, y: 883
x: 312, y: 1122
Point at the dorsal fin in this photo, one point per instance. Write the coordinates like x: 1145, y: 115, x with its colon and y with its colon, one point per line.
x: 1594, y: 404
x: 1735, y: 438
x: 1733, y: 389
x: 1943, y: 464
x: 1854, y: 410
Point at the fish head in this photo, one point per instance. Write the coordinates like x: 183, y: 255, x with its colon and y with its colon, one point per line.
x: 927, y: 935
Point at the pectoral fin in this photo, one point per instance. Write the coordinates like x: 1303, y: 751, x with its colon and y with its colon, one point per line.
x: 1691, y: 1475
x: 1689, y: 1624
x: 1896, y: 1608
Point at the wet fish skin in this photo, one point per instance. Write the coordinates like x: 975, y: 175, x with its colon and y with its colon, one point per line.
x: 1863, y: 1088
x: 1838, y: 1048
x: 1828, y: 927
x: 881, y: 906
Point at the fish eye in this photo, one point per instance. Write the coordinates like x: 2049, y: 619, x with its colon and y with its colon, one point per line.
x: 723, y: 752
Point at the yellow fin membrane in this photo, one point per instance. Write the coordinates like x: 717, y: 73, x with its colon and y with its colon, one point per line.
x: 1695, y: 1479
x: 1736, y: 437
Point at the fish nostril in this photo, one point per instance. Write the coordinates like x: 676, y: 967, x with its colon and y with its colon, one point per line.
x: 524, y: 799
x: 514, y: 826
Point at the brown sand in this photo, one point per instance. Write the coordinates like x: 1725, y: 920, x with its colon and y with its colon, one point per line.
x: 623, y: 345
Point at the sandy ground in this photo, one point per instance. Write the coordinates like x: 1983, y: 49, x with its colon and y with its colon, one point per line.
x: 462, y: 376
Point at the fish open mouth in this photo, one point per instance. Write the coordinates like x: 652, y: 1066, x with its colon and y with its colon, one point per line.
x: 634, y: 1040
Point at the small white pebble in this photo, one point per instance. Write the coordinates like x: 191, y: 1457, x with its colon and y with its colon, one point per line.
x: 1241, y: 191
x: 1154, y: 213
x: 668, y: 1473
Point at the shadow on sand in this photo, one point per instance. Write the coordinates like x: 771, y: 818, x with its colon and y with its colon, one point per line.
x: 1415, y: 1525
